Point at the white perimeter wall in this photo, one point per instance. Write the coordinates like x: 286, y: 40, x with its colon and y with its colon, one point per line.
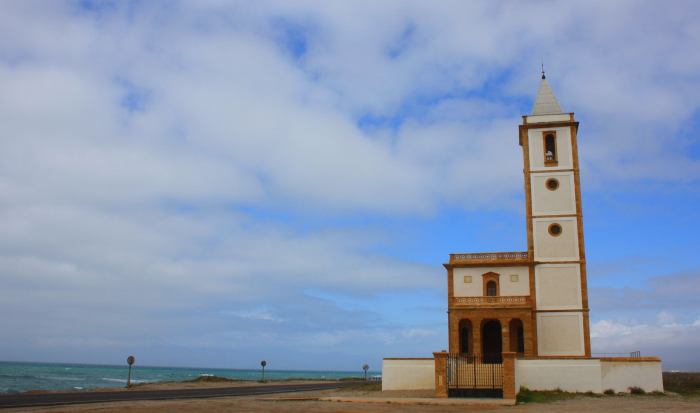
x: 588, y: 375
x: 408, y: 374
x: 620, y: 376
x: 567, y: 375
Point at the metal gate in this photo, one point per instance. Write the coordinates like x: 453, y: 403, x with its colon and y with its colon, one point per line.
x: 474, y: 376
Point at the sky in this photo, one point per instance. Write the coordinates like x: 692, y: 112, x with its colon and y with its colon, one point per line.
x: 214, y: 183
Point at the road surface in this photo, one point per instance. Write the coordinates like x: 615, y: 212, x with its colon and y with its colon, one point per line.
x: 55, y: 399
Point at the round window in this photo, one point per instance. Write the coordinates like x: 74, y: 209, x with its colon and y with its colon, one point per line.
x: 552, y: 184
x: 554, y: 230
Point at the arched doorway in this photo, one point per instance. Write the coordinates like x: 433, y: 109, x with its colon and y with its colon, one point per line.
x: 492, y: 341
x: 465, y: 337
x: 517, y: 336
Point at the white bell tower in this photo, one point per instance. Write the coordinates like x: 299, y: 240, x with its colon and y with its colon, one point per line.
x: 555, y: 228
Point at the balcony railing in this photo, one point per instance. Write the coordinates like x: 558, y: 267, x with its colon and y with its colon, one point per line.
x: 488, y: 257
x: 500, y: 301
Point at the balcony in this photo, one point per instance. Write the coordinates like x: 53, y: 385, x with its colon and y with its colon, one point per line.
x: 512, y: 301
x: 490, y: 258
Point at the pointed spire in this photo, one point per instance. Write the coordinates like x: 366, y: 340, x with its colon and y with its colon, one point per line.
x: 545, y: 102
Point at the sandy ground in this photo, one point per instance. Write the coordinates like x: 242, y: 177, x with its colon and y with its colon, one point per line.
x: 303, y: 402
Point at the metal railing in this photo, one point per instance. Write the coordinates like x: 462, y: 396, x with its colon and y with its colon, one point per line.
x: 474, y: 376
x: 631, y: 354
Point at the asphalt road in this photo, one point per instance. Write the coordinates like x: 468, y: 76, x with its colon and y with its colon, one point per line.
x: 54, y: 399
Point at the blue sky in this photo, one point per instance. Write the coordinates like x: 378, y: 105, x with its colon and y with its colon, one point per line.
x: 213, y: 184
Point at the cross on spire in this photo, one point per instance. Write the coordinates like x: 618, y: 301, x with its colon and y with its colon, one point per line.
x: 543, y: 76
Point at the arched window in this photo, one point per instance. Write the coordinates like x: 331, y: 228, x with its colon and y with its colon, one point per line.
x: 550, y: 148
x: 490, y: 282
x: 517, y: 336
x: 491, y: 289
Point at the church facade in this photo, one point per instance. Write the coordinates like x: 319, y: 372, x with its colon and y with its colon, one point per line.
x: 533, y: 303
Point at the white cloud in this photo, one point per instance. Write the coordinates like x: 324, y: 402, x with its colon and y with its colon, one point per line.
x: 143, y: 148
x: 673, y: 341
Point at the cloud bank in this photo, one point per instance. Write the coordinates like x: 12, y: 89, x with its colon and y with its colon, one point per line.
x: 207, y: 183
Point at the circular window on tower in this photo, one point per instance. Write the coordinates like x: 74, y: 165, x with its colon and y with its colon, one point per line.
x: 552, y: 184
x: 554, y: 230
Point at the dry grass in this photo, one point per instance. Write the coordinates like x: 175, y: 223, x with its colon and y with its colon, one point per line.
x: 687, y: 384
x: 213, y: 379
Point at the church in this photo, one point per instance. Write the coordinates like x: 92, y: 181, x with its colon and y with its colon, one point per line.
x: 533, y: 302
x: 521, y: 319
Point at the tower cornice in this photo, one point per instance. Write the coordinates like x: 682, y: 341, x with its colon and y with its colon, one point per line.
x: 543, y: 125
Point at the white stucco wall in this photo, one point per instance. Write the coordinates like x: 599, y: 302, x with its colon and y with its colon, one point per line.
x: 476, y: 287
x: 560, y: 334
x: 620, y: 376
x: 567, y: 375
x: 555, y: 248
x: 585, y: 375
x: 558, y: 286
x: 564, y: 154
x: 408, y: 374
x: 577, y: 375
x: 560, y: 201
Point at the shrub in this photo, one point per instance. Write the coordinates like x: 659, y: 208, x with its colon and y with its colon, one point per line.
x: 609, y: 392
x: 636, y: 390
x: 524, y: 395
x: 543, y: 396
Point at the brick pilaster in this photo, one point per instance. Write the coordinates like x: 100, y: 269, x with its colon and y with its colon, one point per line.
x: 440, y: 374
x: 505, y: 334
x: 508, y: 375
x: 476, y: 333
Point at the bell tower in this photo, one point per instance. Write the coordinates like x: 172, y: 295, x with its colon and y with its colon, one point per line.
x: 555, y: 228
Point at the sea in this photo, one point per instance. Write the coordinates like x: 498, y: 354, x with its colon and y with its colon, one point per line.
x: 16, y: 377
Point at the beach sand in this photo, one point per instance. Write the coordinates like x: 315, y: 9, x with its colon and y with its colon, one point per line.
x: 175, y: 385
x: 304, y: 402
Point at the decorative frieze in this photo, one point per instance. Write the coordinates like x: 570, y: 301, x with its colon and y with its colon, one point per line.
x: 489, y: 257
x: 499, y: 301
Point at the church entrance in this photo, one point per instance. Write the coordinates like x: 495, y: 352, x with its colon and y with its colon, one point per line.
x: 492, y: 345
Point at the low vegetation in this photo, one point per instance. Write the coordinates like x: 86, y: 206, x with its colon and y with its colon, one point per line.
x: 686, y: 384
x: 368, y: 386
x: 213, y: 379
x: 529, y: 396
x: 636, y: 390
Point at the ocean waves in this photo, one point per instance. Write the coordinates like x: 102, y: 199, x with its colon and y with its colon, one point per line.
x: 20, y: 377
